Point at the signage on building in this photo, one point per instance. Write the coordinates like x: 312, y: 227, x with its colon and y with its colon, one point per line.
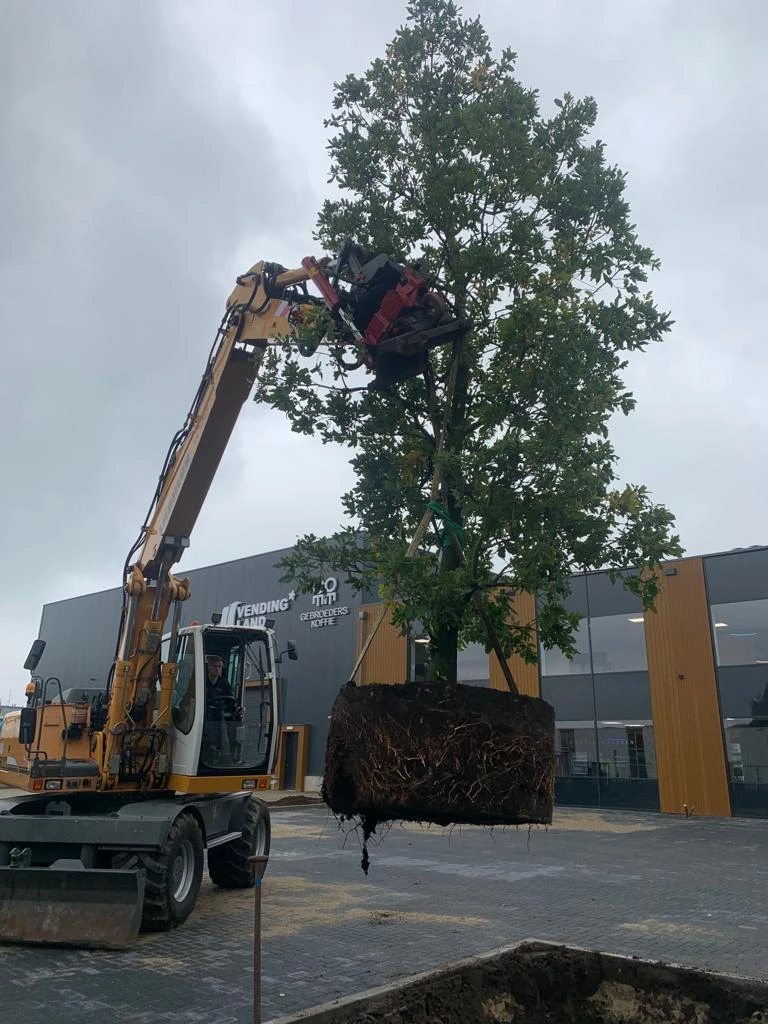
x: 325, y: 608
x: 256, y: 613
x: 325, y: 611
x: 323, y: 616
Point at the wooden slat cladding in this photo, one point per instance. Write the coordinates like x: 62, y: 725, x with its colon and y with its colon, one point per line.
x: 686, y: 714
x: 526, y: 676
x: 386, y: 660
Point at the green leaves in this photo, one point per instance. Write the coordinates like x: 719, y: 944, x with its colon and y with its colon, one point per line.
x: 439, y: 151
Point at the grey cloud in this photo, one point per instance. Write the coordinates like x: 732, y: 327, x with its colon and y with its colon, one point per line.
x: 127, y: 180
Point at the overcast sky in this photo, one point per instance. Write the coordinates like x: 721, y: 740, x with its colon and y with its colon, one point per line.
x: 152, y: 149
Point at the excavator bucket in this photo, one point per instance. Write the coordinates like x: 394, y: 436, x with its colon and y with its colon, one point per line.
x: 70, y: 906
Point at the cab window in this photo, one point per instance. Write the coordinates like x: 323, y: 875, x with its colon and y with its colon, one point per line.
x: 184, y: 691
x: 239, y: 717
x: 223, y: 728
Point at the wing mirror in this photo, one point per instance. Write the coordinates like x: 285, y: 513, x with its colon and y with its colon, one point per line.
x: 290, y: 650
x: 35, y: 654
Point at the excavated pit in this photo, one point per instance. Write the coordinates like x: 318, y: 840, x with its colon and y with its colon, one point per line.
x: 442, y: 753
x: 541, y: 983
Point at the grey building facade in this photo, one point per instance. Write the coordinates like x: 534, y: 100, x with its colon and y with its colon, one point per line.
x: 657, y: 710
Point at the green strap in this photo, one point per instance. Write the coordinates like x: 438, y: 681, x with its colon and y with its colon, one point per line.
x: 441, y: 513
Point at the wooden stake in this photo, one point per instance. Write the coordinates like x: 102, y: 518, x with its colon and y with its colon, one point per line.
x: 260, y: 863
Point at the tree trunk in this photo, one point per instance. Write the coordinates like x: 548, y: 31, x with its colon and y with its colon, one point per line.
x: 444, y: 642
x: 443, y: 654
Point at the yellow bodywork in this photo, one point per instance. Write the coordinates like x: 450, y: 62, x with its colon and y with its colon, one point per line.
x: 51, y: 737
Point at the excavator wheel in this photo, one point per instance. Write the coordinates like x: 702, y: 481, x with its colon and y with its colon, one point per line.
x: 228, y: 864
x: 173, y: 875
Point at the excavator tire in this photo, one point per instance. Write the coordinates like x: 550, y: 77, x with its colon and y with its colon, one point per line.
x: 173, y: 875
x: 228, y: 865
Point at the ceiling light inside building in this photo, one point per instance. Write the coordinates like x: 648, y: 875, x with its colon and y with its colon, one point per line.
x: 721, y: 625
x: 637, y: 618
x: 421, y: 640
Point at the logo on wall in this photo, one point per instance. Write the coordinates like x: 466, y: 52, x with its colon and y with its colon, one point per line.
x: 324, y: 601
x: 329, y: 593
x: 255, y: 615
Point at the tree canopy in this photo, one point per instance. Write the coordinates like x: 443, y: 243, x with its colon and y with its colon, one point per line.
x: 438, y: 151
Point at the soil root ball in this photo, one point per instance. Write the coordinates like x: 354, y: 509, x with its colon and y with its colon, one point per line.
x: 442, y: 753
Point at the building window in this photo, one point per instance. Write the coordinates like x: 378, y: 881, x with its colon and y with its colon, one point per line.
x: 618, y: 643
x: 575, y: 750
x: 472, y: 662
x: 627, y: 750
x: 615, y: 750
x: 555, y: 663
x: 473, y: 666
x: 746, y: 741
x: 741, y: 632
x: 419, y: 658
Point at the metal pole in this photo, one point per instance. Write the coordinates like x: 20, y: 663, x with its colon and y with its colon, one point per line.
x: 260, y: 865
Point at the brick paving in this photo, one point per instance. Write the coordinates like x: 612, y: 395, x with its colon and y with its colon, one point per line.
x: 687, y: 891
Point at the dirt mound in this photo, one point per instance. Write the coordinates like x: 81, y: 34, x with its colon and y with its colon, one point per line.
x: 295, y: 800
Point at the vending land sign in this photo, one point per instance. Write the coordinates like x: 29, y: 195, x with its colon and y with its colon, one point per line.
x: 325, y: 608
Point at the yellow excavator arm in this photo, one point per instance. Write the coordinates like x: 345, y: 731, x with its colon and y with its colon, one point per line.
x: 265, y: 304
x: 123, y: 743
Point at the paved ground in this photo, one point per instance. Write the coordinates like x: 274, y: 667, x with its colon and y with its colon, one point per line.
x: 689, y: 891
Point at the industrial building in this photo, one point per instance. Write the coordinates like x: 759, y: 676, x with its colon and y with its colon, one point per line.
x: 666, y: 710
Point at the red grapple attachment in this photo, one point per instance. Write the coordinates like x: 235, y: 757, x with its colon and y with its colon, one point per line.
x: 388, y: 310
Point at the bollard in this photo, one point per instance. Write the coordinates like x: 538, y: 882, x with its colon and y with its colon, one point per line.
x: 260, y: 865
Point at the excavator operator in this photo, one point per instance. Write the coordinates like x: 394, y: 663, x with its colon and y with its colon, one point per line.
x: 223, y: 728
x: 215, y: 683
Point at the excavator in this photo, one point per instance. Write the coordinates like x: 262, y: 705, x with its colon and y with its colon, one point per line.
x: 115, y: 795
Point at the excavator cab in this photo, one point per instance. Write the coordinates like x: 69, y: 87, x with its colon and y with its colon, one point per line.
x: 224, y: 704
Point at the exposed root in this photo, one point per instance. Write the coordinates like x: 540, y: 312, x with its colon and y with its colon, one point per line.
x: 440, y: 753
